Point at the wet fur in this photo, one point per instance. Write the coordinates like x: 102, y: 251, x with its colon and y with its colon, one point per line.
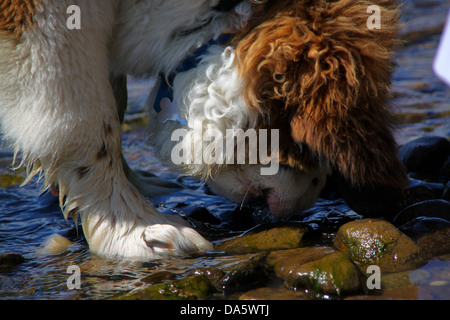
x: 60, y: 114
x: 315, y: 67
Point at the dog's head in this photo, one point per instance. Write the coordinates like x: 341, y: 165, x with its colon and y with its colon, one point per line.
x: 317, y: 73
x: 327, y: 71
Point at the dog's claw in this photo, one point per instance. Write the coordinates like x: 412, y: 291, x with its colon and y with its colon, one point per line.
x: 168, y: 238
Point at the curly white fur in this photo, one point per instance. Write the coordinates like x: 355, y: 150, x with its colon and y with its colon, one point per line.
x: 211, y: 95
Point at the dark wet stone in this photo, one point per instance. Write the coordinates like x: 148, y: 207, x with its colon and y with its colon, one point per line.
x: 191, y: 288
x: 333, y: 274
x: 267, y: 237
x: 7, y: 180
x: 425, y: 155
x: 378, y: 242
x: 9, y: 261
x: 285, y: 263
x: 446, y: 193
x: 444, y: 174
x: 213, y: 274
x: 437, y: 208
x: 201, y: 214
x: 158, y: 277
x: 432, y: 234
x: 419, y: 191
x: 248, y: 274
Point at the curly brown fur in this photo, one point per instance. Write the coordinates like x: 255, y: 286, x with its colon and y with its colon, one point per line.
x: 317, y: 65
x: 17, y: 15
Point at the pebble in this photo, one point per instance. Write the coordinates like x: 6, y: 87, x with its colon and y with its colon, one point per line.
x: 190, y: 288
x: 267, y: 237
x: 55, y: 244
x: 333, y: 274
x: 9, y: 261
x: 247, y: 274
x: 437, y: 208
x: 432, y: 234
x: 378, y: 242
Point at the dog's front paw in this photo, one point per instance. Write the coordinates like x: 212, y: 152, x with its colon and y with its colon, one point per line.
x: 168, y: 239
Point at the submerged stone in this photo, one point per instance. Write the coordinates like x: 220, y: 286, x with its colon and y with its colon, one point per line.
x: 191, y: 288
x: 248, y: 274
x: 267, y: 237
x: 287, y: 264
x: 378, y: 242
x: 9, y: 261
x: 432, y: 234
x: 55, y: 244
x: 7, y: 180
x: 437, y: 208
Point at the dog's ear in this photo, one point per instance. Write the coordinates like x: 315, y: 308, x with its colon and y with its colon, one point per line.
x: 333, y: 74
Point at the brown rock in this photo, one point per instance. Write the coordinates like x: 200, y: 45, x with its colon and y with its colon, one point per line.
x: 378, y: 242
x: 267, y: 237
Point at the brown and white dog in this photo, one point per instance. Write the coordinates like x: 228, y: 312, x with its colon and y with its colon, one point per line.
x: 316, y: 73
x: 58, y: 109
x: 310, y: 69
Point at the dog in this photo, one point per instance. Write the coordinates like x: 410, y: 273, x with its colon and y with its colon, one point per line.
x: 309, y: 69
x: 316, y: 73
x: 59, y: 111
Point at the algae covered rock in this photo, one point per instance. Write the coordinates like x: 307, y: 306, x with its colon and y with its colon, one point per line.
x: 247, y: 274
x: 191, y: 288
x: 285, y: 263
x: 7, y: 180
x: 378, y: 242
x: 268, y: 237
x: 333, y: 274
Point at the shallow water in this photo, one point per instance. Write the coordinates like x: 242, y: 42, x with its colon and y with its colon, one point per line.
x: 28, y: 216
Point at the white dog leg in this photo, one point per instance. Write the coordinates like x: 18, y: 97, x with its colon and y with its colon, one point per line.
x: 57, y: 107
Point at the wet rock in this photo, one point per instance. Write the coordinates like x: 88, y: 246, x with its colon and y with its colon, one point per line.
x: 274, y: 294
x: 9, y: 261
x: 201, y: 214
x: 213, y: 274
x: 444, y: 174
x: 378, y: 242
x: 333, y: 274
x: 437, y: 208
x: 267, y: 237
x: 7, y: 180
x: 285, y: 263
x: 247, y: 274
x: 446, y: 193
x: 425, y: 155
x: 159, y: 277
x: 55, y: 244
x: 191, y: 288
x: 432, y: 234
x: 419, y: 191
